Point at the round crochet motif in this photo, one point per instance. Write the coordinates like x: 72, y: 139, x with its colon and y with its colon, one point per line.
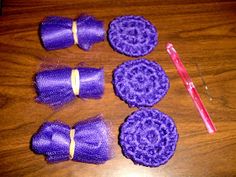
x: 132, y: 35
x: 148, y: 137
x: 140, y: 82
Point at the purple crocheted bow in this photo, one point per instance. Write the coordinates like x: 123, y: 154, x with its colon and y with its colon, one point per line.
x: 56, y: 32
x: 132, y: 35
x: 148, y: 137
x: 92, y: 141
x: 140, y: 82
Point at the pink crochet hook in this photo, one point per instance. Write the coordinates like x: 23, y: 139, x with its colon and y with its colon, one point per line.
x: 188, y: 83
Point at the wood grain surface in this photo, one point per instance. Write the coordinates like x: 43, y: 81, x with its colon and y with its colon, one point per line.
x: 203, y: 32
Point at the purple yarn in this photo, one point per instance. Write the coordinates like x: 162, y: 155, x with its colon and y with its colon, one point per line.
x: 92, y: 141
x: 54, y: 86
x: 148, y: 137
x: 132, y: 35
x: 140, y: 82
x: 56, y: 32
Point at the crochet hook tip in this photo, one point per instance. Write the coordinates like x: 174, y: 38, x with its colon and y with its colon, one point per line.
x: 169, y: 45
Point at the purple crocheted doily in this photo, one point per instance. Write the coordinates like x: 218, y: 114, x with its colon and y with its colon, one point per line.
x: 132, y: 35
x: 148, y: 137
x: 140, y: 82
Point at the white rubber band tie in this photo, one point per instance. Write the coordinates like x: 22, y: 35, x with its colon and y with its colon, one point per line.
x: 72, y: 143
x: 75, y: 81
x: 74, y: 31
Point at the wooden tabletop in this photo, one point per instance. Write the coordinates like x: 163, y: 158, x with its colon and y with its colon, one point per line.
x: 203, y: 32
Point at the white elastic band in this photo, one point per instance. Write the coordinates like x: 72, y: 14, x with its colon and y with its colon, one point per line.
x: 72, y: 143
x: 75, y: 81
x: 74, y: 31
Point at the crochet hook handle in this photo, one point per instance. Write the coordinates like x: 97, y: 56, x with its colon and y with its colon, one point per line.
x: 191, y: 88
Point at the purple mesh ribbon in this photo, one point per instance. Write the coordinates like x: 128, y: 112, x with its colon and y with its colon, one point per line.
x: 54, y: 86
x: 148, y: 137
x: 56, y: 32
x: 140, y: 82
x: 132, y: 35
x: 92, y: 141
